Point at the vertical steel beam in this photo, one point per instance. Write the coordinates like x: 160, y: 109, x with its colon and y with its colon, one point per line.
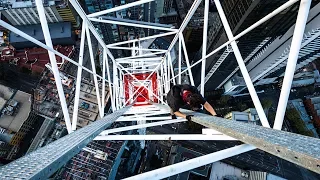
x: 79, y: 78
x: 165, y: 76
x: 115, y: 85
x: 140, y: 49
x: 109, y: 79
x: 121, y: 90
x: 133, y: 49
x: 159, y: 89
x: 168, y: 68
x: 187, y: 59
x: 53, y: 61
x: 103, y: 93
x: 204, y: 45
x: 162, y: 81
x: 242, y: 66
x: 95, y: 79
x: 180, y: 59
x: 171, y: 65
x: 292, y: 61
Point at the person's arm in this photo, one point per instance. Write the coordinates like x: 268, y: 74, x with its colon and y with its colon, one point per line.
x: 210, y: 109
x: 180, y: 114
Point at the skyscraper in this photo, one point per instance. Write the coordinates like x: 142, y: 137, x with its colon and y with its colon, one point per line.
x: 266, y: 66
x: 25, y: 12
x: 240, y: 15
x: 109, y: 32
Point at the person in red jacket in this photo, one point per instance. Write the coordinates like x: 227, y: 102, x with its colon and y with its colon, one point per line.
x: 181, y: 96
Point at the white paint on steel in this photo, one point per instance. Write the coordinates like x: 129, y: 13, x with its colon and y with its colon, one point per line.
x: 250, y: 28
x: 242, y: 66
x: 79, y: 78
x: 166, y: 137
x: 118, y: 8
x: 204, y: 45
x: 53, y: 61
x: 132, y: 24
x: 93, y: 67
x: 187, y: 60
x: 292, y: 61
x: 127, y: 128
x: 187, y: 165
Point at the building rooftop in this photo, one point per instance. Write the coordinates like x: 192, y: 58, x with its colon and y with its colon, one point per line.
x: 315, y: 100
x: 299, y: 106
x: 2, y: 102
x: 221, y: 170
x: 14, y: 122
x: 25, y: 3
x: 42, y: 134
x: 5, y: 92
x: 248, y: 116
x: 61, y: 34
x: 46, y: 101
x: 316, y: 104
x: 34, y: 59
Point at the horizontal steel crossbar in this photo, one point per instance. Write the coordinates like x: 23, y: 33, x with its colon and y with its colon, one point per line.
x: 169, y: 137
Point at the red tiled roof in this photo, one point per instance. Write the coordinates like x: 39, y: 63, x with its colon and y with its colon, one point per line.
x: 34, y: 59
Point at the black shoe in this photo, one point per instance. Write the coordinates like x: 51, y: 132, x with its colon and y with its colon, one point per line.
x: 173, y: 116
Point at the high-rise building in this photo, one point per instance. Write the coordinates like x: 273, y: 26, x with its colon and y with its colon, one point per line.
x: 16, y: 120
x: 135, y: 13
x: 299, y: 119
x: 109, y: 32
x: 149, y: 16
x: 241, y: 14
x: 268, y: 65
x: 25, y: 12
x: 312, y: 105
x: 166, y: 12
x: 113, y: 33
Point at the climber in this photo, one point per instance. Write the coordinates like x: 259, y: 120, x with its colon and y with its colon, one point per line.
x: 181, y: 96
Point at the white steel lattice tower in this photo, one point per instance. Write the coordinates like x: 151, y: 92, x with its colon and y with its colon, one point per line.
x: 138, y: 84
